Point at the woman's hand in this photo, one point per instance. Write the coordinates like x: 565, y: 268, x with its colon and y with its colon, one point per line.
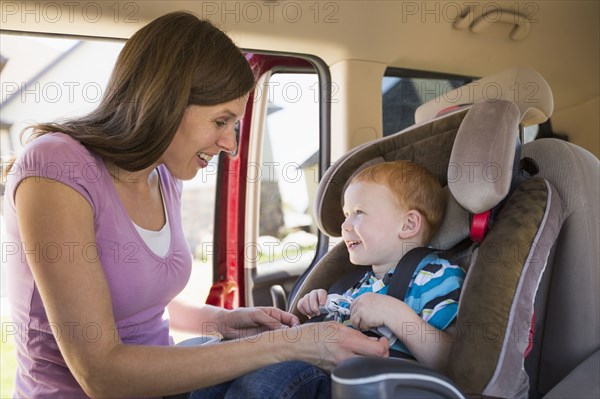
x: 244, y: 322
x: 326, y: 344
x: 310, y: 303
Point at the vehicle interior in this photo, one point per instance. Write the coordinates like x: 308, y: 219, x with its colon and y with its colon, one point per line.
x: 338, y: 84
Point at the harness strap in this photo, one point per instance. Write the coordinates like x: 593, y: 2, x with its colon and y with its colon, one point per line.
x: 348, y: 280
x: 398, y: 284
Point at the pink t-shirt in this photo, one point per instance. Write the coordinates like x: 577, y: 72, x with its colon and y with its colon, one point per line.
x: 141, y: 283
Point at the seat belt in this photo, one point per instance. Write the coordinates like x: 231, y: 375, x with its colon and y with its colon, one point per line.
x: 398, y: 284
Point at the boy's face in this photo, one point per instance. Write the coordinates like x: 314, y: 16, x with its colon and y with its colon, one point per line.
x: 372, y: 227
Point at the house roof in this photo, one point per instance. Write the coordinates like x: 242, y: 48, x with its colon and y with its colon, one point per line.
x: 54, y: 62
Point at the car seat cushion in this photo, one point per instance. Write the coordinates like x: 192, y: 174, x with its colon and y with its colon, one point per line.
x: 496, y: 307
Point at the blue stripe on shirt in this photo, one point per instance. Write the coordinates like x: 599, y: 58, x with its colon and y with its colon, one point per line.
x: 418, y: 296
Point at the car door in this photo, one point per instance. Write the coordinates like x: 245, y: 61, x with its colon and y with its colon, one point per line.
x: 265, y: 235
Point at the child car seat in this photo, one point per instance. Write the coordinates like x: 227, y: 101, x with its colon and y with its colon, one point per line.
x: 565, y: 360
x: 472, y: 150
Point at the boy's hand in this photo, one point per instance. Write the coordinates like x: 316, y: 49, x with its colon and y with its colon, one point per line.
x: 310, y: 303
x: 370, y: 310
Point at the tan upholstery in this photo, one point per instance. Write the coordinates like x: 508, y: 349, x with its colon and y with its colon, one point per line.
x: 481, y: 164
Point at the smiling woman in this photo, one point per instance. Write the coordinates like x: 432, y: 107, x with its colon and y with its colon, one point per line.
x: 108, y: 187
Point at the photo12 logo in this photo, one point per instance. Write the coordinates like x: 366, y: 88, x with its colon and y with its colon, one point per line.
x: 271, y: 11
x: 453, y: 11
x: 55, y: 12
x: 53, y: 92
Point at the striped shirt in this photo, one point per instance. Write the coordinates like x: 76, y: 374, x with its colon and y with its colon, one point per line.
x: 433, y: 293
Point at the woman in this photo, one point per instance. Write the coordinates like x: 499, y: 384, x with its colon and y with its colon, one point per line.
x: 95, y: 205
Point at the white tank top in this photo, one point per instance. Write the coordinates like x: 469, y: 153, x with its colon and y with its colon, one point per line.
x: 157, y: 241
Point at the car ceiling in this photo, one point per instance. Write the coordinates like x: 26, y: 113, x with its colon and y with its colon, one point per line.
x: 563, y: 43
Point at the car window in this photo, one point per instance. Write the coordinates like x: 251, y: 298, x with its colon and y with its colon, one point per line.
x: 403, y: 94
x: 404, y: 91
x: 58, y: 78
x: 289, y: 169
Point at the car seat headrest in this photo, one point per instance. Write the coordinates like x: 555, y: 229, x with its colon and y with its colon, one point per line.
x: 481, y: 165
x: 472, y: 150
x: 522, y: 85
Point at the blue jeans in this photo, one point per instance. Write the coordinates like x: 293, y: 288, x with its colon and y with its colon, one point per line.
x: 287, y: 380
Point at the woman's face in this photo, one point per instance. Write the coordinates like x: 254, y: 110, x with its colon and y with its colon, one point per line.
x: 203, y: 133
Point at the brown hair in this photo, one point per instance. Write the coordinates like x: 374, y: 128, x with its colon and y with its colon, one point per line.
x: 413, y: 187
x: 175, y: 61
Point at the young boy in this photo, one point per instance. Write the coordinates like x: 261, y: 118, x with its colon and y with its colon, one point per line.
x: 391, y: 208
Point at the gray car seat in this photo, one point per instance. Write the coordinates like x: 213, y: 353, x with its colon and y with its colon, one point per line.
x: 475, y: 141
x: 565, y: 362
